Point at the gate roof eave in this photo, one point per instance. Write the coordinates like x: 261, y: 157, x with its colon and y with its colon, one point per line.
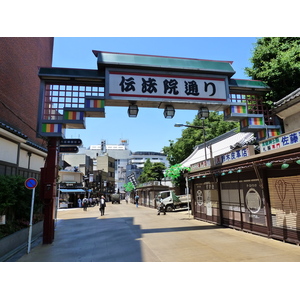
x: 140, y: 61
x: 52, y: 73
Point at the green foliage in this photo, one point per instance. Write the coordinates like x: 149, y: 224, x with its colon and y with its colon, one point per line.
x: 191, y: 137
x: 157, y: 170
x: 152, y: 171
x: 15, y: 203
x: 147, y: 173
x: 12, y: 192
x: 129, y: 187
x: 175, y: 171
x: 276, y: 61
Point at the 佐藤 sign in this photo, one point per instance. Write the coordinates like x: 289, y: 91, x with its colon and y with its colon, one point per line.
x: 284, y: 140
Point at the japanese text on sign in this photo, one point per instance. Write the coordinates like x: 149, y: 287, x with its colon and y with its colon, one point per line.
x: 235, y: 154
x: 166, y: 86
x: 280, y: 141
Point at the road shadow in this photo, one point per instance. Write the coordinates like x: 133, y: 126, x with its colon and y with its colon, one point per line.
x: 176, y: 229
x: 99, y: 239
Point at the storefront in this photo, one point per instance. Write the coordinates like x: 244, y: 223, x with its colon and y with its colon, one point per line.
x: 252, y: 195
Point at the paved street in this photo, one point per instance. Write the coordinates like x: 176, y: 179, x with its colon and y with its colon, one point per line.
x: 129, y: 234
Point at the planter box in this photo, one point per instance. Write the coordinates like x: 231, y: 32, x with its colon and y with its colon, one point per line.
x: 18, y: 239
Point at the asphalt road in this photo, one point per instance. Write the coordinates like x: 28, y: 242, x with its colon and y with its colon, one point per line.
x: 129, y: 234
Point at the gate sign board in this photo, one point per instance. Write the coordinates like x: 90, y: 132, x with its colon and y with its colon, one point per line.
x: 165, y: 86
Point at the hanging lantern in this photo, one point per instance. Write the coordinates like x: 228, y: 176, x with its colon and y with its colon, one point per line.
x: 284, y: 166
x: 269, y: 165
x: 298, y: 161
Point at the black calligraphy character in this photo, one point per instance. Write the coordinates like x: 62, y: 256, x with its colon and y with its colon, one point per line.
x: 170, y: 86
x: 206, y: 85
x: 127, y: 84
x: 191, y: 88
x: 149, y: 86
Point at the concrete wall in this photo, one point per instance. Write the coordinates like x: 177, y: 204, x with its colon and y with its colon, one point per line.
x: 18, y: 239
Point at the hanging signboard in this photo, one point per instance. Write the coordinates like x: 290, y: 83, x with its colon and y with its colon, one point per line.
x: 284, y: 140
x: 235, y: 154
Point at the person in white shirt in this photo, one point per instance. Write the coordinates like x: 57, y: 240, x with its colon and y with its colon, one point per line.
x: 102, y: 205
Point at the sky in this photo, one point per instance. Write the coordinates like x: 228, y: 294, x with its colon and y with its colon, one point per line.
x: 149, y: 131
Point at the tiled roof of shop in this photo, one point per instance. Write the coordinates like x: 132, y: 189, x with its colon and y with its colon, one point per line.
x: 295, y: 94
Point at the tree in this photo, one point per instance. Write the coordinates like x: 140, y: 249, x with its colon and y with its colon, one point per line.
x: 129, y: 187
x: 191, y: 137
x: 157, y: 170
x: 276, y: 61
x: 15, y: 203
x: 146, y: 175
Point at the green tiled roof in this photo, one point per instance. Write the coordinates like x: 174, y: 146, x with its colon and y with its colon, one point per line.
x: 65, y: 73
x: 247, y: 84
x: 121, y: 60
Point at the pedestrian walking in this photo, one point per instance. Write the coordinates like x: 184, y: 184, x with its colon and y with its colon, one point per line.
x: 102, y: 205
x: 79, y: 202
x: 85, y: 203
x: 137, y: 197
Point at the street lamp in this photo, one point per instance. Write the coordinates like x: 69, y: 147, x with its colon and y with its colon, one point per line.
x: 192, y: 126
x: 204, y: 114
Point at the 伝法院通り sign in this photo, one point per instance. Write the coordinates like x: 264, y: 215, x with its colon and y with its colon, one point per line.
x: 151, y: 85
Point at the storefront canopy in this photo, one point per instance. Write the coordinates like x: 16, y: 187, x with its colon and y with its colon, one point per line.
x: 72, y: 191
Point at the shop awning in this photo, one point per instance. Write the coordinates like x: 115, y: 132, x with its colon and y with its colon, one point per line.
x: 72, y: 190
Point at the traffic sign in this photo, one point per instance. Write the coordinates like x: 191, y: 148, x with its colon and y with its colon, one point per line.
x: 68, y: 142
x: 31, y: 183
x: 68, y: 149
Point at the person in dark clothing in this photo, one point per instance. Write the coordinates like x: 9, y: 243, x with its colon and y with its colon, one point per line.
x: 136, y: 199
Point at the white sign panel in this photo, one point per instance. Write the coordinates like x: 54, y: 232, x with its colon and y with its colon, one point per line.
x: 280, y: 141
x: 235, y: 154
x: 148, y: 85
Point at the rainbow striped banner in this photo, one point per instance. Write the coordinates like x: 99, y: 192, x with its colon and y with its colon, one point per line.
x: 261, y: 134
x: 238, y: 109
x: 89, y: 103
x: 227, y: 111
x: 74, y: 115
x: 55, y: 128
x: 255, y: 121
x: 274, y: 132
x: 244, y: 123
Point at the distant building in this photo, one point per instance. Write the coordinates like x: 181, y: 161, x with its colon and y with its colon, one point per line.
x: 98, y: 170
x: 140, y: 157
x: 126, y: 161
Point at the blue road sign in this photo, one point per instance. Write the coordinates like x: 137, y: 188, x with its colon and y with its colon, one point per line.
x: 31, y: 183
